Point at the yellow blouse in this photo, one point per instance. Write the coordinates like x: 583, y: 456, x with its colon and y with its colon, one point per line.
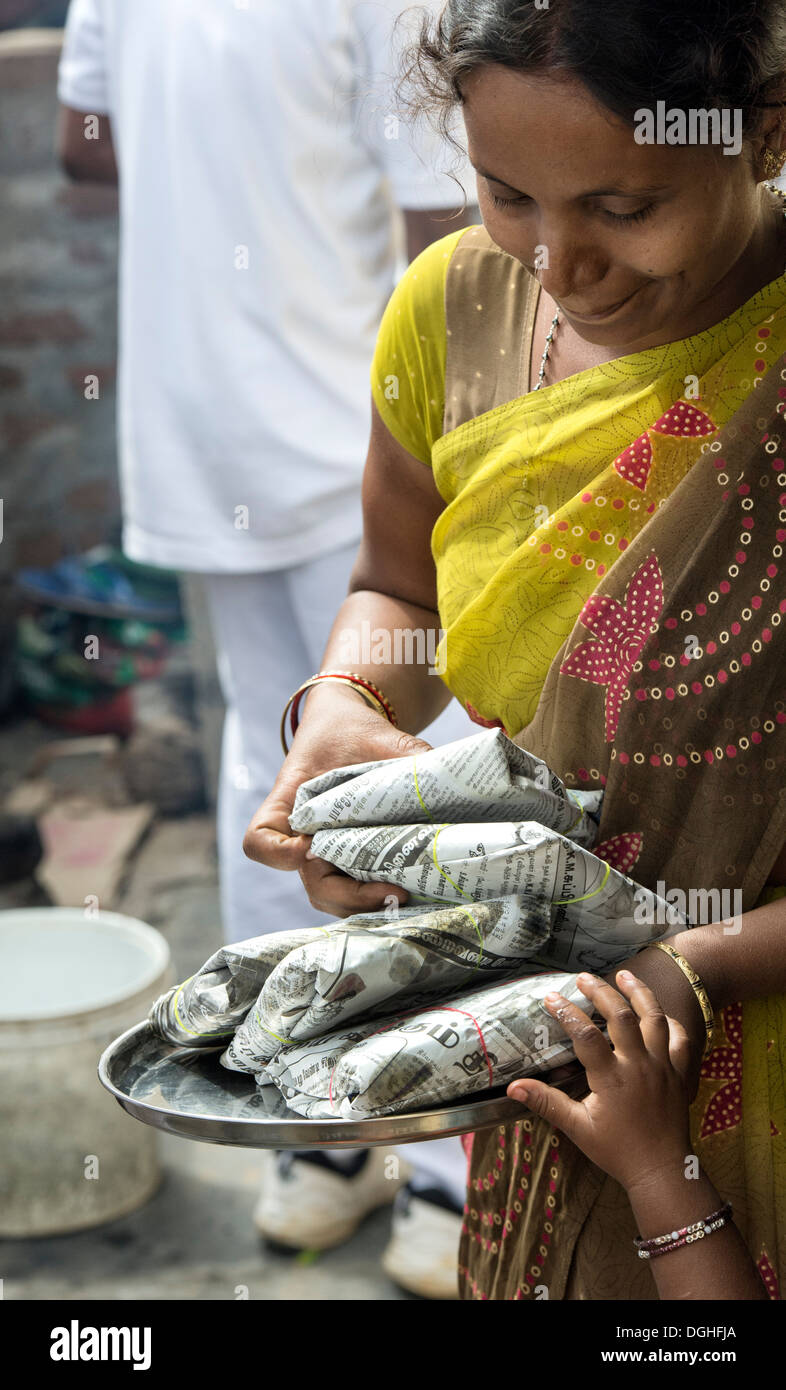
x: 408, y: 371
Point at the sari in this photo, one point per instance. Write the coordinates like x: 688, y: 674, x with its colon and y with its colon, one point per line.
x: 609, y: 570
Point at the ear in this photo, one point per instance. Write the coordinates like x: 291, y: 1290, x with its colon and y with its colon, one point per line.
x: 769, y: 143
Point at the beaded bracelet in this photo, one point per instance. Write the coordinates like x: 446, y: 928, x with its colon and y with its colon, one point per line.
x: 673, y: 1240
x: 364, y: 687
x: 699, y: 990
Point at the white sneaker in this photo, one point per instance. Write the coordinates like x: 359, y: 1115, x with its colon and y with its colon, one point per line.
x: 423, y: 1252
x: 308, y: 1203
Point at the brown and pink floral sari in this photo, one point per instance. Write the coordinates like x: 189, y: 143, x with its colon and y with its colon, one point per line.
x: 610, y: 571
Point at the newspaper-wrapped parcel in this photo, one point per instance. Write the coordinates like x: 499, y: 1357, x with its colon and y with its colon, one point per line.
x: 475, y: 1041
x: 206, y: 1009
x: 557, y: 906
x: 484, y: 777
x: 362, y: 971
x: 597, y: 913
x: 491, y: 899
x: 475, y: 776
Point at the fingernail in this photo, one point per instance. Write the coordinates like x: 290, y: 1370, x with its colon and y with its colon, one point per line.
x: 553, y: 998
x: 626, y: 976
x: 518, y: 1093
x: 585, y: 976
x: 310, y: 854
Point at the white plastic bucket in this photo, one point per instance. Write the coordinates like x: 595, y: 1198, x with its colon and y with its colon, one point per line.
x: 70, y: 982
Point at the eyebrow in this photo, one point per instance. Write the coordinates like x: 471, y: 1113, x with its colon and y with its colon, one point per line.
x: 615, y: 191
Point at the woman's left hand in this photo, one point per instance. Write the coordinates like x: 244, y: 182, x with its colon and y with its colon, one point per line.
x: 635, y: 1118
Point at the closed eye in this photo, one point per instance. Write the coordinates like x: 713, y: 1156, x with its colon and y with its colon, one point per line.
x: 632, y: 216
x: 628, y: 217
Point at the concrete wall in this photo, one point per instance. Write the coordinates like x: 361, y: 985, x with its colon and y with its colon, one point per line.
x: 58, y: 267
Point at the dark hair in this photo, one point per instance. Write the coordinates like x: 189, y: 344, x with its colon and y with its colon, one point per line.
x: 628, y: 53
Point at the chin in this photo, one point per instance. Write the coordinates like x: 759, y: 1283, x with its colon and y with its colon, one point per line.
x: 600, y: 333
x: 626, y: 326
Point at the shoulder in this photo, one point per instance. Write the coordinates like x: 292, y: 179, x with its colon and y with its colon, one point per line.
x: 408, y: 372
x: 490, y: 306
x: 462, y: 259
x: 421, y: 289
x: 480, y: 265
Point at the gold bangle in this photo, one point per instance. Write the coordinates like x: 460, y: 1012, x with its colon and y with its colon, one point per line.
x: 366, y: 695
x: 699, y: 990
x: 363, y: 683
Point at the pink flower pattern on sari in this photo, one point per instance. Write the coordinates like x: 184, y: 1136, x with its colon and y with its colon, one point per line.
x: 724, y: 1064
x: 621, y: 851
x: 681, y: 420
x: 619, y: 633
x: 768, y: 1276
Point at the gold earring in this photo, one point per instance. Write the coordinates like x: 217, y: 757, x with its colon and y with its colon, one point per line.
x: 774, y: 161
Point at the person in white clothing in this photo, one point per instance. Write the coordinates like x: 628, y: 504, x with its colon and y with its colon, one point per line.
x: 263, y: 176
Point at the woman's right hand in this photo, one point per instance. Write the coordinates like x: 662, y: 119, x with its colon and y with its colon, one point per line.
x: 337, y: 729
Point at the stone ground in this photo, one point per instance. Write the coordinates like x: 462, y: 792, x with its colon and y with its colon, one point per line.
x: 195, y: 1238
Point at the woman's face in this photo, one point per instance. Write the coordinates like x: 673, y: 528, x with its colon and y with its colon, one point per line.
x: 677, y: 231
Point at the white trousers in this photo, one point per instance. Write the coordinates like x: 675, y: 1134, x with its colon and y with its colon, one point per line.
x: 270, y: 632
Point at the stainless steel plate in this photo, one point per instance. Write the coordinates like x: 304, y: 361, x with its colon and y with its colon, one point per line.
x: 186, y: 1091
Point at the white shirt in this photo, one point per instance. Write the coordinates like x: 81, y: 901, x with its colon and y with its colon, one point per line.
x: 260, y: 165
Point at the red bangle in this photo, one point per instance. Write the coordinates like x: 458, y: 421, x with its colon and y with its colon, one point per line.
x: 294, y: 717
x: 367, y: 685
x: 367, y: 691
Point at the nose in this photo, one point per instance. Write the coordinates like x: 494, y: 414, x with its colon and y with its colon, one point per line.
x: 565, y: 262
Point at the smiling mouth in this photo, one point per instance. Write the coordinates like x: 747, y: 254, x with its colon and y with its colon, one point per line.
x: 600, y: 313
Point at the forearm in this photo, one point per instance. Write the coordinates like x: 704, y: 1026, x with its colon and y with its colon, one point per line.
x: 743, y: 960
x: 97, y: 168
x: 85, y: 146
x: 393, y: 643
x: 717, y: 1267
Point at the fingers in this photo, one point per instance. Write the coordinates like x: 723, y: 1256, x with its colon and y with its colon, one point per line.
x: 680, y: 1049
x: 654, y: 1025
x: 551, y: 1105
x: 271, y: 844
x: 623, y: 1023
x: 269, y: 839
x: 657, y: 1035
x: 660, y: 1038
x: 332, y: 891
x: 404, y: 745
x: 589, y: 1044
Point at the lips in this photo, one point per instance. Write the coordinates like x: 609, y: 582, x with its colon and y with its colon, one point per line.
x: 586, y: 315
